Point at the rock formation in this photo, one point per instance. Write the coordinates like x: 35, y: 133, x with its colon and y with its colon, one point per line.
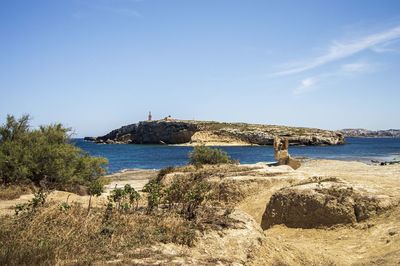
x: 281, y: 149
x: 172, y: 131
x: 323, y: 203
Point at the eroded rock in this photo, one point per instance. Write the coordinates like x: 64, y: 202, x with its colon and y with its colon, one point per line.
x: 322, y: 204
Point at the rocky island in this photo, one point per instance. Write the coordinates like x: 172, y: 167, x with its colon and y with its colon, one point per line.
x: 191, y: 132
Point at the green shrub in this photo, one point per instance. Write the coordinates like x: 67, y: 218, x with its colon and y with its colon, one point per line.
x: 38, y: 200
x: 206, y: 155
x: 96, y: 187
x: 43, y: 156
x: 124, y: 198
x: 154, y: 188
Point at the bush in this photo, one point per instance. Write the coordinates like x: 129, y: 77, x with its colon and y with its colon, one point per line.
x: 43, y: 156
x: 154, y: 188
x: 188, y: 193
x: 96, y: 187
x: 38, y: 200
x: 205, y: 155
x: 125, y: 198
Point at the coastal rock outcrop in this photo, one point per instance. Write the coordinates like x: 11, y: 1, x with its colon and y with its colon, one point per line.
x: 322, y: 203
x: 173, y: 131
x: 164, y: 132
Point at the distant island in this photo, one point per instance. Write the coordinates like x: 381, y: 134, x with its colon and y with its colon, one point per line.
x: 360, y: 132
x: 191, y: 132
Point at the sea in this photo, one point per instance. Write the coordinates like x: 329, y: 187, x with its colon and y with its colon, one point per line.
x: 134, y: 156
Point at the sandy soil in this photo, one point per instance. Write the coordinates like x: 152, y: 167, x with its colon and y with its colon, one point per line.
x: 375, y: 241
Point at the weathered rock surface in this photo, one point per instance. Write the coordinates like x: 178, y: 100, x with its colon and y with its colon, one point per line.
x: 229, y: 246
x: 164, y: 132
x: 322, y: 204
x: 183, y: 132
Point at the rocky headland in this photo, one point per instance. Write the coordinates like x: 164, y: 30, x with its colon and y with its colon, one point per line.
x: 190, y: 132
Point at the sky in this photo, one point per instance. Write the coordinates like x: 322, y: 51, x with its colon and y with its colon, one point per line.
x: 95, y: 65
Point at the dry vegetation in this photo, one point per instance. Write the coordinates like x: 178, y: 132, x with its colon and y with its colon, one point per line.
x: 52, y: 235
x: 49, y: 233
x: 11, y: 192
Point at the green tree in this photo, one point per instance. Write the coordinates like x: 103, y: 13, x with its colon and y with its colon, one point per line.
x: 44, y: 156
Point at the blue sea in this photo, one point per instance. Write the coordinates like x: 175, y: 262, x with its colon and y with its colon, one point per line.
x: 132, y: 156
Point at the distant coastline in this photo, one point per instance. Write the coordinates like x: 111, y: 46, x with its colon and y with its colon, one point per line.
x: 365, y: 133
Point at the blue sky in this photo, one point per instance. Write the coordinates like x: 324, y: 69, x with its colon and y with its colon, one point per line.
x: 95, y: 65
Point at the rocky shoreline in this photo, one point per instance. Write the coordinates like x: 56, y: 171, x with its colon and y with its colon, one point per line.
x: 185, y: 132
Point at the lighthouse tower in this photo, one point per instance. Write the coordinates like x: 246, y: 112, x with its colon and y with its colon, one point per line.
x: 149, y: 117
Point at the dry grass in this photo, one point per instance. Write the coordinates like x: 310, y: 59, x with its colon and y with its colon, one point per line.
x: 52, y: 236
x: 13, y: 191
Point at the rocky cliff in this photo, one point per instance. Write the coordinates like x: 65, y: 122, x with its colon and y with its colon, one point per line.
x: 215, y: 133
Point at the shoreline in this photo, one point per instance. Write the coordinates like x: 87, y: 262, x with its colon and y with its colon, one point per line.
x: 364, y: 160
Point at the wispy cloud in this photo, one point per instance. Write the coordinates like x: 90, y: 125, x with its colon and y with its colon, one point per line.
x: 342, y: 50
x: 306, y: 85
x: 346, y: 70
x: 357, y: 67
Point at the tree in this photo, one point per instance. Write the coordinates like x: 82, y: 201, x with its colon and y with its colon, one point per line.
x: 44, y: 156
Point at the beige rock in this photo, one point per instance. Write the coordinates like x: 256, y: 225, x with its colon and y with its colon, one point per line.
x: 323, y: 204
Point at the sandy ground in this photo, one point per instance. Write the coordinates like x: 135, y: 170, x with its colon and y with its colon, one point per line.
x: 375, y: 241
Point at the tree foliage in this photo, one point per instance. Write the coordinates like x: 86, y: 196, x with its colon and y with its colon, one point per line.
x: 206, y: 155
x: 44, y: 156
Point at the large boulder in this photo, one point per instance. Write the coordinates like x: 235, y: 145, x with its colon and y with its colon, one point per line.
x: 322, y: 204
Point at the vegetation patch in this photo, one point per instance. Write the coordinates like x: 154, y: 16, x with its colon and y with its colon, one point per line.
x: 52, y: 235
x: 206, y: 155
x: 44, y: 157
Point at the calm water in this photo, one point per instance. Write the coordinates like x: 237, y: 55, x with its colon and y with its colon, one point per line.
x: 123, y: 156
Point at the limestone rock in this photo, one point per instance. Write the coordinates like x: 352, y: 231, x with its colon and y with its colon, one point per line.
x: 172, y: 131
x: 322, y: 204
